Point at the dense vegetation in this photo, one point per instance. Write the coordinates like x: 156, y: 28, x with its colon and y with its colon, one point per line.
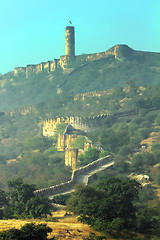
x: 116, y: 204
x: 21, y: 202
x: 40, y: 163
x: 38, y: 155
x: 29, y: 231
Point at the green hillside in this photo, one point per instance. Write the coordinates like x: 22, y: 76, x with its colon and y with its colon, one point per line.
x: 25, y: 153
x: 133, y: 139
x: 111, y: 73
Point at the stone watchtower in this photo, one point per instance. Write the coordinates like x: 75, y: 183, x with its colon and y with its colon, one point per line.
x: 70, y: 41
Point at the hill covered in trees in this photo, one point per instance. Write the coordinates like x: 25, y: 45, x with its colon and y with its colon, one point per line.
x: 109, y: 86
x: 24, y: 150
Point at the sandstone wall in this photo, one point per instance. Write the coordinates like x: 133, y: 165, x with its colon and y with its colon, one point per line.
x: 118, y: 51
x: 19, y: 69
x: 68, y: 186
x: 65, y: 141
x: 49, y: 125
x: 83, y: 124
x: 71, y: 155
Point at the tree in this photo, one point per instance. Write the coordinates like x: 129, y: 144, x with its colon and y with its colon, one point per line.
x: 23, y: 203
x: 90, y: 155
x: 3, y: 202
x: 38, y: 206
x: 110, y: 206
x: 33, y: 143
x: 137, y: 162
x: 30, y: 231
x: 81, y: 199
x: 156, y: 151
x: 121, y: 193
x: 2, y: 198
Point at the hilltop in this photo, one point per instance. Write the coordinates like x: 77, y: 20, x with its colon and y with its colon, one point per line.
x: 112, y: 68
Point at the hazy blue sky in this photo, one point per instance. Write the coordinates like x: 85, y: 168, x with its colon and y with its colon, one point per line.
x: 33, y: 31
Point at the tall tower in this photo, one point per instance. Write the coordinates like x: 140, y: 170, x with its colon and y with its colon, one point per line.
x: 70, y: 41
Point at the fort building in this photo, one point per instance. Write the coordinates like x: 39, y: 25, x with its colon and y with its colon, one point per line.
x: 120, y: 51
x: 66, y: 140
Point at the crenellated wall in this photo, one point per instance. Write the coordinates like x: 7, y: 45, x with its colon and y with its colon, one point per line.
x: 83, y: 124
x: 118, y: 51
x: 68, y: 186
x: 49, y: 125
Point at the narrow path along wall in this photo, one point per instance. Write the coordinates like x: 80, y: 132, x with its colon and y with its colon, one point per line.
x: 76, y: 176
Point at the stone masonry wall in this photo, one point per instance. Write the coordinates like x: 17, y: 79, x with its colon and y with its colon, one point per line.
x: 118, y: 51
x: 67, y: 186
x: 71, y: 155
x: 83, y: 124
x: 49, y: 125
x: 65, y: 141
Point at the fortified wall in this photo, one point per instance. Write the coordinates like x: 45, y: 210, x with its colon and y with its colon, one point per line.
x: 66, y: 139
x: 118, y: 51
x: 68, y: 186
x: 49, y: 125
x: 80, y: 123
x: 64, y: 144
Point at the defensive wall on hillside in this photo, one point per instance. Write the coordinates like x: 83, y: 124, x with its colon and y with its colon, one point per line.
x: 68, y: 186
x: 80, y: 123
x: 66, y: 140
x: 118, y: 51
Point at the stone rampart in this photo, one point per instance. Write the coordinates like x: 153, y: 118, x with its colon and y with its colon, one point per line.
x: 49, y: 125
x: 118, y: 51
x: 68, y: 186
x: 65, y: 141
x: 19, y: 69
x: 71, y: 155
x: 83, y: 124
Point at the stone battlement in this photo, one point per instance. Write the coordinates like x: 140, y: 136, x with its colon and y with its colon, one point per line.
x: 66, y: 140
x: 80, y: 123
x: 118, y: 52
x: 49, y: 125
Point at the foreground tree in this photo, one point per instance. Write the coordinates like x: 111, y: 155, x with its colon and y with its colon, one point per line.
x: 23, y: 203
x: 28, y: 231
x: 110, y: 206
x: 3, y: 201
